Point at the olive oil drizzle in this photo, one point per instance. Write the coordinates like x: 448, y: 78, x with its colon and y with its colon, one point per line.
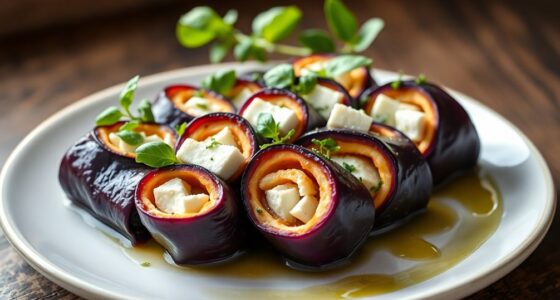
x: 460, y: 217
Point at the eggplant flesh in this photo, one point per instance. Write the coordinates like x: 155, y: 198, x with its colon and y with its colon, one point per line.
x: 308, y: 117
x: 409, y: 180
x: 342, y: 221
x: 213, y: 235
x: 103, y: 182
x: 455, y: 146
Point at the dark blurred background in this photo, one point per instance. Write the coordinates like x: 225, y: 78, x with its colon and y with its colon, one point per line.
x: 504, y: 53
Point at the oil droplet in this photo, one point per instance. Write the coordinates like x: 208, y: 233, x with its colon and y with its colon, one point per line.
x: 466, y: 211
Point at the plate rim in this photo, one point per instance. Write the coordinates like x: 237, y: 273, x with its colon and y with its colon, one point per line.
x: 458, y: 288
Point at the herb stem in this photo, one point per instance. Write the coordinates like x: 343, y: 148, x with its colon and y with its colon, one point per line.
x: 275, y: 48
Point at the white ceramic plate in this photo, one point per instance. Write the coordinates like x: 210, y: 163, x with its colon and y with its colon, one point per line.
x: 59, y: 244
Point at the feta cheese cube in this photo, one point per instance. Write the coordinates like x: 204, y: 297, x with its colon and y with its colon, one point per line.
x: 384, y: 109
x: 193, y: 203
x: 123, y: 146
x: 305, y: 209
x: 224, y: 137
x: 363, y: 169
x: 198, y: 106
x: 406, y: 106
x: 411, y: 123
x: 322, y: 99
x: 223, y: 160
x: 343, y: 116
x: 313, y: 68
x: 241, y: 97
x: 285, y: 117
x: 168, y: 195
x: 281, y: 199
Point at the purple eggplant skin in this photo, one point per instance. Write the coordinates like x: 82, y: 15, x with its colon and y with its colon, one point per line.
x: 165, y: 112
x: 103, y: 182
x: 311, y: 118
x: 456, y: 146
x: 342, y: 231
x: 215, y: 236
x: 412, y: 180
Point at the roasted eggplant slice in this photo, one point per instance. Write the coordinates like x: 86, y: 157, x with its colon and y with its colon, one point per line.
x: 210, y: 140
x: 243, y: 90
x: 394, y: 172
x: 311, y: 210
x: 288, y: 109
x: 437, y: 123
x: 326, y: 94
x: 100, y: 175
x: 191, y: 213
x: 355, y: 81
x: 178, y: 104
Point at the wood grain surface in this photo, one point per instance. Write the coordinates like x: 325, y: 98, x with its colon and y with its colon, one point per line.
x: 504, y: 53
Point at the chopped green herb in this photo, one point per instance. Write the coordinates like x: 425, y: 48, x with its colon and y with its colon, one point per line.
x: 259, y: 210
x: 326, y: 147
x: 156, y: 154
x: 421, y: 79
x: 397, y: 83
x: 203, y: 106
x: 213, y: 144
x: 350, y: 168
x: 146, y: 264
x: 376, y: 188
x: 211, y: 158
x: 270, y: 129
x: 180, y: 129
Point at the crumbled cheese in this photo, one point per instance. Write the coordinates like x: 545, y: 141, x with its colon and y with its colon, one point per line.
x: 223, y: 160
x: 285, y: 117
x: 305, y: 209
x: 384, y: 109
x: 411, y: 123
x: 323, y: 99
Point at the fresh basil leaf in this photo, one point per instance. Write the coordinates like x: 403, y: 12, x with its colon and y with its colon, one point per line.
x: 156, y: 154
x: 306, y: 84
x: 127, y: 94
x: 276, y: 23
x: 180, y: 129
x: 281, y: 76
x: 267, y: 126
x: 345, y: 63
x: 341, y: 21
x: 109, y: 116
x: 132, y: 138
x: 230, y: 17
x: 221, y: 81
x: 317, y: 40
x: 242, y: 50
x: 367, y: 34
x: 130, y: 125
x: 145, y: 111
x: 200, y: 26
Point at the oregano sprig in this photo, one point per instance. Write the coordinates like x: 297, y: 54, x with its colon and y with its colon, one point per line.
x: 268, y: 128
x: 326, y: 147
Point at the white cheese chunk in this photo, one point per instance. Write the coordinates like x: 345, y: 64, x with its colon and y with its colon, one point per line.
x: 168, y: 195
x: 363, y: 169
x: 305, y: 209
x: 193, y: 203
x: 198, y: 106
x: 323, y: 99
x: 406, y: 106
x: 411, y: 123
x: 285, y: 117
x: 384, y: 109
x: 224, y: 137
x: 241, y: 97
x: 281, y: 199
x: 223, y: 160
x: 343, y: 116
x: 123, y: 146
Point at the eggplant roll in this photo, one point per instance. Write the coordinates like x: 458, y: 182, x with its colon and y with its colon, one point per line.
x: 192, y: 213
x: 210, y: 140
x: 355, y: 81
x: 242, y: 90
x: 394, y: 172
x: 100, y: 175
x: 179, y: 104
x: 311, y: 210
x: 288, y: 109
x: 437, y: 123
x: 325, y: 95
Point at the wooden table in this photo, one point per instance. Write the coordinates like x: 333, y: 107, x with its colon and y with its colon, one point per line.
x: 505, y: 54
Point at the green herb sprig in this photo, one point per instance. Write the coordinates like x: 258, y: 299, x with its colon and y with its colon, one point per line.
x: 268, y: 128
x: 156, y: 154
x: 202, y: 26
x: 349, y: 167
x: 326, y: 147
x: 221, y: 82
